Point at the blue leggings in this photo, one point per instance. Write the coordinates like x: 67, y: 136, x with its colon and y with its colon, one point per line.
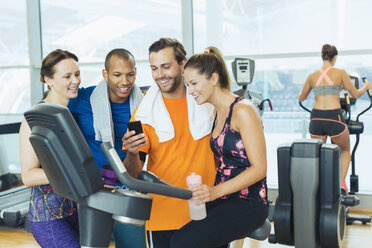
x: 58, y: 233
x: 129, y: 236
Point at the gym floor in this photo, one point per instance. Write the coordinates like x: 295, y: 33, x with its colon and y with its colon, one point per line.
x: 356, y: 236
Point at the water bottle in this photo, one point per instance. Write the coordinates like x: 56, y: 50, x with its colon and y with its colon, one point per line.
x: 197, y: 212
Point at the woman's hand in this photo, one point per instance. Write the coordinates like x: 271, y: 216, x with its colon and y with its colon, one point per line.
x: 368, y: 85
x: 204, y: 193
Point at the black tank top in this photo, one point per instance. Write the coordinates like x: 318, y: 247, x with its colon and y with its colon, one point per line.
x: 232, y: 158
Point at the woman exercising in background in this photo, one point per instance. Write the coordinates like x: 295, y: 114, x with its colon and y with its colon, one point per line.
x: 326, y: 117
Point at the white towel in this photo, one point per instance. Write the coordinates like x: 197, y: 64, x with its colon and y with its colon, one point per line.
x: 135, y: 98
x: 101, y: 108
x: 152, y: 111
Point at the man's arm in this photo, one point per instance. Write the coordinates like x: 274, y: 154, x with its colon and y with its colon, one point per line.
x: 133, y: 164
x: 132, y: 161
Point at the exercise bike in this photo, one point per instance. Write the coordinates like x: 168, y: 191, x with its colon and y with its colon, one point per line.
x: 71, y: 170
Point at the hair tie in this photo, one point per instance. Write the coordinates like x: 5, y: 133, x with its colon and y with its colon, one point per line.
x: 207, y: 51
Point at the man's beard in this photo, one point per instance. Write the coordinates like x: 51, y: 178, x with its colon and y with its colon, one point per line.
x: 176, y: 83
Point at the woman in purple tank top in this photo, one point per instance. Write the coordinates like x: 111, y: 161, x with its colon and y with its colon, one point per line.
x: 237, y: 203
x: 53, y: 219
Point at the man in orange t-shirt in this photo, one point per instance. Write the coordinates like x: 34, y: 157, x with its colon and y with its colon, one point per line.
x: 171, y: 159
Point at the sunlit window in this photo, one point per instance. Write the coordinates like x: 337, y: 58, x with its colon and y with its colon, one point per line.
x: 14, y: 59
x: 13, y: 33
x: 90, y: 29
x: 285, y: 39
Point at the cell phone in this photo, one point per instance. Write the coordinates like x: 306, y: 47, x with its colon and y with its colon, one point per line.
x: 136, y: 126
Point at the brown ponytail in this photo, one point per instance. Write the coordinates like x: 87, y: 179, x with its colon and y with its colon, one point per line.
x: 328, y: 52
x: 209, y: 62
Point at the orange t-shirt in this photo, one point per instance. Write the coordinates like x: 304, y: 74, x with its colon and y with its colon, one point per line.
x: 173, y: 161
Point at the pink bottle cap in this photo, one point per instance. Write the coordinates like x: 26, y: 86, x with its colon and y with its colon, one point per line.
x: 193, y: 179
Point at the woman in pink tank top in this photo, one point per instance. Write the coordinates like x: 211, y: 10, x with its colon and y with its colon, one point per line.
x: 326, y: 117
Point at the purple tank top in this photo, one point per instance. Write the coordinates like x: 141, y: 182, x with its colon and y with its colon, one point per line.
x: 47, y: 205
x: 232, y: 159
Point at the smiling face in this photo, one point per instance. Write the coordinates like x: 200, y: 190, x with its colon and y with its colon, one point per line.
x: 66, y: 79
x: 199, y: 86
x: 120, y: 78
x: 166, y: 71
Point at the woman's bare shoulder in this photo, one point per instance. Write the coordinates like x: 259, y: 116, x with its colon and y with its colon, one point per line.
x: 312, y: 76
x: 338, y: 71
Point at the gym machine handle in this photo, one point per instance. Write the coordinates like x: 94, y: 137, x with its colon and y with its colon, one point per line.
x: 302, y: 106
x: 151, y: 177
x: 370, y: 98
x: 347, y: 107
x: 364, y: 79
x: 266, y: 100
x: 156, y: 187
x: 347, y: 100
x: 10, y: 128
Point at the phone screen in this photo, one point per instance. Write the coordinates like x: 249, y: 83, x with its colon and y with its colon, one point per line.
x: 136, y: 126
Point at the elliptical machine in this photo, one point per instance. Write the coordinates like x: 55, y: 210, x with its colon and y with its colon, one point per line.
x: 355, y: 127
x: 309, y: 210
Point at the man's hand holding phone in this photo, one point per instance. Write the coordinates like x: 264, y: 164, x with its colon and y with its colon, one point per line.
x: 136, y: 126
